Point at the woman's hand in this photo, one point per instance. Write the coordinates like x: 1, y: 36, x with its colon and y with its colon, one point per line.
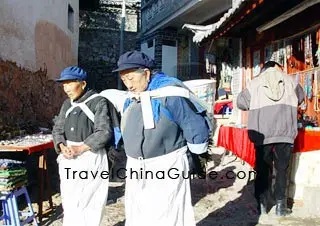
x: 66, y: 151
x: 78, y: 150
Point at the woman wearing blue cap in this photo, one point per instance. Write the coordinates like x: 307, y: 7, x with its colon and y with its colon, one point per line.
x: 81, y: 133
x: 162, y: 119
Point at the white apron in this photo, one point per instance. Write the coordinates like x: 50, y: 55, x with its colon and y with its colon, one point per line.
x: 159, y: 202
x: 83, y: 200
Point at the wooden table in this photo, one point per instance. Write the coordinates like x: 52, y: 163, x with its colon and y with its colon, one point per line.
x: 43, y: 175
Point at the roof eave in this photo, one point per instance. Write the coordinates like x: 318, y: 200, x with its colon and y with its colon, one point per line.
x: 224, y: 24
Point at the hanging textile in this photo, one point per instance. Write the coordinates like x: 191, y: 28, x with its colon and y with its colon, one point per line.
x: 308, y: 85
x: 318, y: 51
x: 316, y: 91
x: 308, y: 51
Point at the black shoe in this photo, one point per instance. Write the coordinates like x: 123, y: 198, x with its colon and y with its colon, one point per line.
x: 263, y: 209
x: 262, y: 205
x: 281, y: 208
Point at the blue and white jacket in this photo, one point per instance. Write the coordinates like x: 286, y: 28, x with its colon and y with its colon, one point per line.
x: 178, y: 121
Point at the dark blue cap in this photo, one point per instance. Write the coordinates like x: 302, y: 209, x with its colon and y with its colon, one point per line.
x: 72, y: 73
x: 134, y: 59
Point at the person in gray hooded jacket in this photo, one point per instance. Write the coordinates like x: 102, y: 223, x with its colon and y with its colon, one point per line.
x: 272, y: 99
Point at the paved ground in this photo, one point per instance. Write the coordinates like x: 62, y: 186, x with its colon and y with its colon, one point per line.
x: 218, y: 201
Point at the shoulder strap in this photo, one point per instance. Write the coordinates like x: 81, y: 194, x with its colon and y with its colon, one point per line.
x: 170, y: 91
x: 116, y: 97
x: 83, y: 107
x: 146, y: 105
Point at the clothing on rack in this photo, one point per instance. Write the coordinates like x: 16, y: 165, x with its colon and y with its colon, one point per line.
x: 308, y: 85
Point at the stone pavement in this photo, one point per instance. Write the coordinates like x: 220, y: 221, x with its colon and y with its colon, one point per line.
x: 231, y: 201
x: 225, y: 198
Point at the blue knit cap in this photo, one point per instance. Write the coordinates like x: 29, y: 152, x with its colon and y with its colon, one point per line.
x: 72, y: 73
x: 134, y: 59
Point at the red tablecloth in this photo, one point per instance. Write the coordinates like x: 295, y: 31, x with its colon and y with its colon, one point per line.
x: 218, y: 106
x: 237, y: 141
x: 307, y: 141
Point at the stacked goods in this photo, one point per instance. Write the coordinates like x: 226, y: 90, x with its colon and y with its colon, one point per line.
x: 13, y: 174
x: 27, y: 140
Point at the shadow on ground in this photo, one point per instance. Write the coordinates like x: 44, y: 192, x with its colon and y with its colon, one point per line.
x: 122, y: 223
x: 214, y: 180
x: 241, y: 211
x: 57, y: 214
x: 116, y: 192
x: 212, y: 183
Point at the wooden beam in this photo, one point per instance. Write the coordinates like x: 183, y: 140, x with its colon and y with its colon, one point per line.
x: 295, y: 10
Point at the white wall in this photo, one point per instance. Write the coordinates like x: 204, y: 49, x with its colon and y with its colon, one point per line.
x: 148, y: 51
x: 169, y: 60
x: 305, y: 172
x: 35, y: 34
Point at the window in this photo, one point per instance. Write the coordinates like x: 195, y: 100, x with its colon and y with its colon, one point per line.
x: 70, y: 18
x: 150, y: 43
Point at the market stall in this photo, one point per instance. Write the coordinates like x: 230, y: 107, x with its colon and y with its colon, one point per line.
x: 221, y: 106
x: 237, y: 141
x: 35, y: 145
x: 304, y: 169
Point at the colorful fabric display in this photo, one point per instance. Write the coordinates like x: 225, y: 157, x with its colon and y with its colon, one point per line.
x: 10, y: 163
x: 12, y: 186
x: 308, y: 85
x: 309, y: 76
x: 12, y: 180
x: 13, y: 172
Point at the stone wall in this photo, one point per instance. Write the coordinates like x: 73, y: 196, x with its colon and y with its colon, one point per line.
x: 27, y: 99
x: 99, y: 45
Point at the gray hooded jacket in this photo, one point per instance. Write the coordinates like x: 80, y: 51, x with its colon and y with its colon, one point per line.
x: 272, y: 99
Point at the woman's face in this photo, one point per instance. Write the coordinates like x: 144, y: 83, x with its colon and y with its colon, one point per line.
x: 74, y: 89
x: 136, y: 80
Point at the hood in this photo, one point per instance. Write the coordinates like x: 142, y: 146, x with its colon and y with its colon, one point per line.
x: 272, y: 81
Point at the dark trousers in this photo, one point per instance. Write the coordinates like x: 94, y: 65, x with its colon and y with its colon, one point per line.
x: 267, y: 156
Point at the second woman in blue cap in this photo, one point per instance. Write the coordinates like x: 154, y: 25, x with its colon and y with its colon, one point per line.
x: 81, y: 134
